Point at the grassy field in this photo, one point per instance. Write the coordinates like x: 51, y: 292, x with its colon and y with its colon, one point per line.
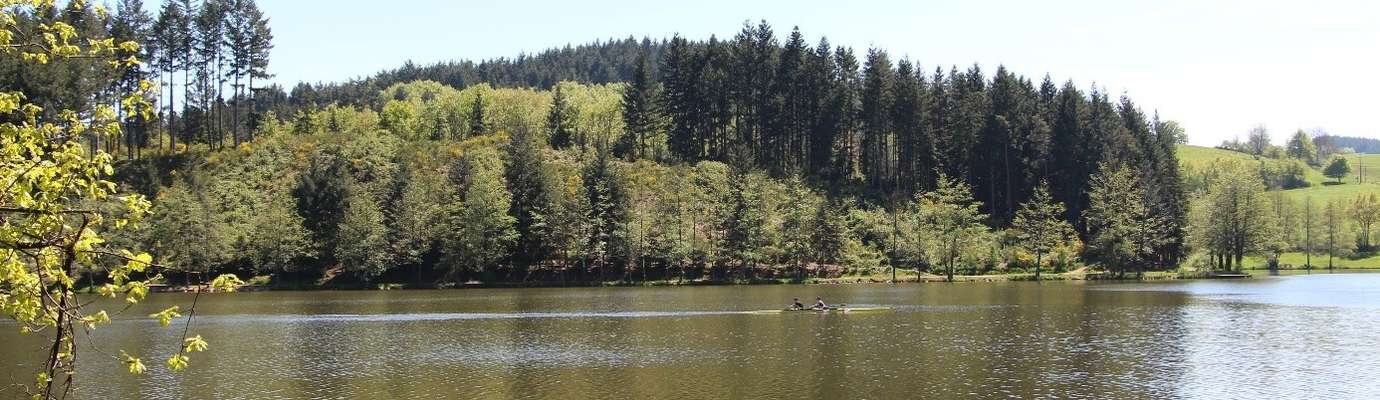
x: 1322, y: 189
x: 1319, y: 261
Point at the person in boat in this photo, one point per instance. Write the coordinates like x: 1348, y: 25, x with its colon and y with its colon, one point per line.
x: 819, y: 304
x: 795, y: 304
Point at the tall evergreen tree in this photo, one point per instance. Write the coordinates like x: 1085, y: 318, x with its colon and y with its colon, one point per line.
x: 877, y: 98
x: 914, y: 149
x: 478, y: 122
x: 678, y: 100
x: 168, y: 33
x: 845, y: 105
x: 608, y: 211
x: 558, y: 121
x: 527, y: 181
x: 639, y: 114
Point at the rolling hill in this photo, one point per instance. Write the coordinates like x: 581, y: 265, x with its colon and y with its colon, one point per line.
x: 1321, y: 188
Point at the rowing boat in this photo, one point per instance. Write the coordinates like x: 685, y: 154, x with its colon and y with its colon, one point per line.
x: 844, y: 310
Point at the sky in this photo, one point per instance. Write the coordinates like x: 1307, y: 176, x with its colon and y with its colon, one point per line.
x: 1218, y: 67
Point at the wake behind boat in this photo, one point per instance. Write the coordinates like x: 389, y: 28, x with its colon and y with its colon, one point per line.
x: 836, y: 309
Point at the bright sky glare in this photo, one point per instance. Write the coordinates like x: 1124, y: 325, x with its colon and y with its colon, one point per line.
x: 1218, y: 67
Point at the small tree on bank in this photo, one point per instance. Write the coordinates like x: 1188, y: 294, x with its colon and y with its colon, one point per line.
x: 1121, y: 226
x: 1038, y: 227
x: 948, y: 223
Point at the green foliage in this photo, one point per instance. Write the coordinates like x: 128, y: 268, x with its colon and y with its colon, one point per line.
x: 417, y: 215
x: 364, y: 247
x: 746, y: 236
x: 1301, y: 147
x: 1365, y: 211
x: 1337, y: 168
x: 1337, y: 236
x: 608, y: 211
x: 640, y: 118
x: 800, y: 211
x: 949, y: 223
x: 480, y: 232
x: 58, y: 202
x: 277, y: 240
x: 558, y: 121
x: 185, y: 233
x: 527, y: 179
x: 1233, y: 217
x: 320, y: 195
x: 1121, y: 226
x: 828, y: 240
x: 1037, y: 227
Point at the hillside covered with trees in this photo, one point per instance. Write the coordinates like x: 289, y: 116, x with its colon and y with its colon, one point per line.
x: 749, y: 157
x: 730, y: 159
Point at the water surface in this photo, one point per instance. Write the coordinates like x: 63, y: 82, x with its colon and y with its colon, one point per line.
x: 1313, y: 336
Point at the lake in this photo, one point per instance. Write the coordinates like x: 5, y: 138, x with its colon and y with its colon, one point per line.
x: 1305, y: 336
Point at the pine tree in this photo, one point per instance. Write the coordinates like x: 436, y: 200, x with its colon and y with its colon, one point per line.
x: 168, y: 35
x: 558, y: 121
x: 948, y: 223
x: 639, y: 114
x: 131, y: 23
x: 845, y: 106
x: 362, y: 229
x: 478, y: 123
x: 608, y: 211
x: 1038, y: 226
x: 527, y: 181
x: 320, y: 195
x: 746, y: 222
x: 914, y: 153
x: 678, y: 98
x: 788, y: 131
x: 1170, y: 197
x: 823, y: 75
x: 482, y: 232
x: 877, y: 97
x: 1117, y: 218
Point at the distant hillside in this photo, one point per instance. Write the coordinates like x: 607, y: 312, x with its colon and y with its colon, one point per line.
x: 1357, y: 144
x: 1321, y: 188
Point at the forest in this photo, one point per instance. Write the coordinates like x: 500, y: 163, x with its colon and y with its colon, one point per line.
x: 747, y: 158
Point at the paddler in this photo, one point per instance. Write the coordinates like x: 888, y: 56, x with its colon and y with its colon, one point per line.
x: 795, y: 304
x: 819, y: 304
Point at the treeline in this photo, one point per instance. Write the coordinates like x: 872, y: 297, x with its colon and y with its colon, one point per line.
x: 1286, y: 167
x: 1234, y: 215
x: 1354, y: 144
x: 203, y: 56
x: 599, y: 62
x: 880, y: 129
x: 503, y: 184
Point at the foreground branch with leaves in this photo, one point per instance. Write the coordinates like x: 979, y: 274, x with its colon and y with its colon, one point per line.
x: 58, y: 201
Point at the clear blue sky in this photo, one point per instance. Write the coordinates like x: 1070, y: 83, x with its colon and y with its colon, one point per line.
x: 1218, y: 67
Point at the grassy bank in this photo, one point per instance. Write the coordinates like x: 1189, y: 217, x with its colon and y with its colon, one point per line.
x: 1298, y: 260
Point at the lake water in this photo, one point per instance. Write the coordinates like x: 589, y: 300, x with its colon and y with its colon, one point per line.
x: 1315, y: 336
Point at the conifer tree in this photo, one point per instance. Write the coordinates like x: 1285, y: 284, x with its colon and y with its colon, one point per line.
x: 558, y: 129
x: 948, y: 223
x: 877, y: 97
x: 527, y: 181
x: 639, y: 114
x: 1038, y: 226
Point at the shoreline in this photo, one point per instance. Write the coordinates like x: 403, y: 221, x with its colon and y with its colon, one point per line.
x: 868, y: 279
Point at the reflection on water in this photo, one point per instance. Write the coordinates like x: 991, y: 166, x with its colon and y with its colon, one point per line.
x: 1289, y: 337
